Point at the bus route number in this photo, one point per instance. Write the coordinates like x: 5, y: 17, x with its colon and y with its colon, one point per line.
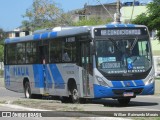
x: 70, y: 39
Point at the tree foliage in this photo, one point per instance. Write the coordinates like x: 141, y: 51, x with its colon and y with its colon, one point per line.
x: 44, y: 14
x: 2, y: 37
x: 91, y: 21
x: 151, y: 18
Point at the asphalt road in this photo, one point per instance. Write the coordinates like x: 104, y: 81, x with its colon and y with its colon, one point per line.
x: 140, y: 103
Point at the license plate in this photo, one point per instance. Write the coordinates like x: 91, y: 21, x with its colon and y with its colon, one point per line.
x: 128, y: 94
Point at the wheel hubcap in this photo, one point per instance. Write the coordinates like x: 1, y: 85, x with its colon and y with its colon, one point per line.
x: 75, y: 94
x: 27, y: 92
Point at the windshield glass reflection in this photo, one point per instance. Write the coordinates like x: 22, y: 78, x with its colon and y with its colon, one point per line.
x: 123, y: 56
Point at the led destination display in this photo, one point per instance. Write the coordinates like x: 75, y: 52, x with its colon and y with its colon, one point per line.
x: 120, y: 31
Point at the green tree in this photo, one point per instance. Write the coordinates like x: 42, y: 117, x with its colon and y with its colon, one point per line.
x: 151, y: 18
x: 43, y: 14
x: 91, y: 21
x: 3, y: 35
x: 1, y: 53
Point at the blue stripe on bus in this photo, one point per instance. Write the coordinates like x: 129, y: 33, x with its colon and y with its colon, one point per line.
x: 38, y: 76
x: 130, y: 25
x: 36, y: 37
x: 117, y: 84
x: 7, y: 76
x: 128, y: 83
x: 139, y: 82
x: 110, y: 26
x: 53, y: 34
x: 58, y: 80
x: 44, y: 36
x: 120, y: 25
x: 102, y: 92
x: 48, y: 77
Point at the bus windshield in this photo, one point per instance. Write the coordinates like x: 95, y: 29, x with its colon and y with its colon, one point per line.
x: 123, y: 56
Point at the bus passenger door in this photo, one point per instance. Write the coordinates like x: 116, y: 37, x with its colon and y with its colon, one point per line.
x: 85, y: 63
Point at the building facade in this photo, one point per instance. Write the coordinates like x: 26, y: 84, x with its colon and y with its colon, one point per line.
x: 18, y: 32
x: 96, y: 11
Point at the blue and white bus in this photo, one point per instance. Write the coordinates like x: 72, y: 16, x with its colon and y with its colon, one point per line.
x: 108, y: 61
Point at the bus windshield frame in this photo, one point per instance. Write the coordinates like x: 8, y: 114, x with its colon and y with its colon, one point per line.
x: 123, y: 57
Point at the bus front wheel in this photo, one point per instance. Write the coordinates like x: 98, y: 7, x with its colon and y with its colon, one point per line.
x: 124, y: 101
x: 27, y: 90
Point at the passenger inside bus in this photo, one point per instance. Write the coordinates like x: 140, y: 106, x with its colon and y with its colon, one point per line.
x: 54, y: 57
x: 65, y: 57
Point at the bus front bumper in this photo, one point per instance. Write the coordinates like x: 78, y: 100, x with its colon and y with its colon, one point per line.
x: 112, y: 92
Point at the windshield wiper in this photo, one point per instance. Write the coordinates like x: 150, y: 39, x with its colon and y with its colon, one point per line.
x: 134, y: 43
x: 112, y: 40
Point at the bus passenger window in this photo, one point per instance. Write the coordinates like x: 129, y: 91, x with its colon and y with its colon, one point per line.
x: 69, y: 50
x: 55, y: 53
x: 65, y: 57
x: 11, y: 54
x: 31, y: 52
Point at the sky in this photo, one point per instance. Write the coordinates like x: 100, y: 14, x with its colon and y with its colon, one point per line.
x: 11, y: 11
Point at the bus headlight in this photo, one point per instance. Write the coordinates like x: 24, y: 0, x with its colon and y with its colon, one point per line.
x: 150, y: 80
x: 101, y: 81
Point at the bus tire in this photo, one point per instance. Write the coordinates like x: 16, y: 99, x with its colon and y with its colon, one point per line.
x: 74, y: 95
x: 83, y: 100
x: 27, y: 90
x: 65, y: 100
x: 124, y: 101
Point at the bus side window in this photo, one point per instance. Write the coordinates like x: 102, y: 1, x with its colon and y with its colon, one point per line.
x: 65, y: 57
x: 55, y: 48
x: 11, y: 54
x: 69, y: 50
x: 20, y: 47
x: 31, y: 53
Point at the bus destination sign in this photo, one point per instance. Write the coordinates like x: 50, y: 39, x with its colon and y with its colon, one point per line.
x: 120, y: 32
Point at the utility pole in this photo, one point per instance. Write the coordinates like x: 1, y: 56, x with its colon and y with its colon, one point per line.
x: 118, y: 14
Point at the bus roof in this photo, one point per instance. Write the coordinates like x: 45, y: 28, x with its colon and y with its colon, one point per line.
x: 65, y: 31
x: 119, y: 25
x: 50, y: 33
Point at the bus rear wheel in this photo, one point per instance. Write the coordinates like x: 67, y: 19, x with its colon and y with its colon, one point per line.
x: 27, y: 90
x: 124, y: 101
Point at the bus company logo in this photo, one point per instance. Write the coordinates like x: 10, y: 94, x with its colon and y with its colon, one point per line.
x: 128, y: 84
x: 20, y: 71
x: 6, y: 114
